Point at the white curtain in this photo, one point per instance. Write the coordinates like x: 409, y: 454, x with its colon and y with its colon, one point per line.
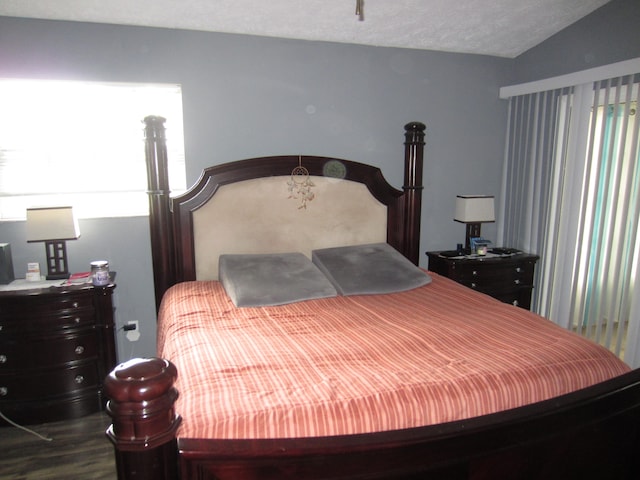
x: 571, y: 193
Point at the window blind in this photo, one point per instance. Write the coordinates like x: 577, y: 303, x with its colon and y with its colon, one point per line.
x: 81, y: 144
x: 571, y: 193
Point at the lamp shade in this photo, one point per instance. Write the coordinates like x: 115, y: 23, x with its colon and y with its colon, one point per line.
x: 474, y: 209
x: 51, y: 223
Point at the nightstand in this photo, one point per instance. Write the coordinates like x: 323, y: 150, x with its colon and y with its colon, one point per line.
x: 509, y: 278
x: 57, y: 345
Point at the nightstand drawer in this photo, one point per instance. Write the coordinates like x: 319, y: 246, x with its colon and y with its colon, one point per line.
x: 484, y: 276
x: 25, y: 354
x: 506, y: 278
x: 49, y: 382
x: 519, y: 297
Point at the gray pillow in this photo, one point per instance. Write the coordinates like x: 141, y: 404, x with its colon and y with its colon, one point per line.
x: 258, y: 280
x: 369, y: 269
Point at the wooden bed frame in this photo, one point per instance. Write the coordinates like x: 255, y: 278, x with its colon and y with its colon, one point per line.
x: 591, y: 433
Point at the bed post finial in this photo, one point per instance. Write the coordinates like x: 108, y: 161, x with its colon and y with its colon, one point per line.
x: 160, y: 222
x: 413, y: 161
x: 141, y: 398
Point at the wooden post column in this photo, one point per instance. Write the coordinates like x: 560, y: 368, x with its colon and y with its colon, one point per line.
x: 141, y: 397
x: 162, y: 238
x: 414, y: 159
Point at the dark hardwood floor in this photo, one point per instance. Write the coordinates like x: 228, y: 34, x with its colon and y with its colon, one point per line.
x: 79, y: 450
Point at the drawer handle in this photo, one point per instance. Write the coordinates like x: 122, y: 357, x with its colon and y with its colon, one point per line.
x: 474, y: 273
x: 518, y: 269
x: 473, y: 285
x: 516, y: 303
x: 79, y: 379
x: 4, y: 391
x: 77, y: 319
x: 516, y: 281
x: 74, y: 304
x: 79, y: 350
x: 3, y: 359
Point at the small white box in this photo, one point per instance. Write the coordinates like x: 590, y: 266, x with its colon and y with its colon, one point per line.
x: 33, y: 272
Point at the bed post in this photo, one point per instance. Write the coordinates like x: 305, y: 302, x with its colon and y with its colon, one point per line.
x: 141, y: 397
x: 160, y: 223
x: 412, y: 198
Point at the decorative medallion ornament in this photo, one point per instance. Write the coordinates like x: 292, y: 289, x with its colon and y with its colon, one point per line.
x: 335, y: 169
x: 300, y: 185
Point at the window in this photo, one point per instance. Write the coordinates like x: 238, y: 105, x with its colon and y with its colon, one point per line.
x: 82, y: 144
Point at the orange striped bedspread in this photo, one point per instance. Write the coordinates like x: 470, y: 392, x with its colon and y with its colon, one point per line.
x: 360, y: 364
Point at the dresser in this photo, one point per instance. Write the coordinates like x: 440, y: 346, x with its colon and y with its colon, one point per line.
x: 56, y: 346
x: 509, y: 278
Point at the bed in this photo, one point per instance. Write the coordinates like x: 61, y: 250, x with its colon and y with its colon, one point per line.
x: 322, y: 367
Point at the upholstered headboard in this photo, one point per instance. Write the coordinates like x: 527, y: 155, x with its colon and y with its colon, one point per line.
x: 266, y: 205
x: 260, y: 216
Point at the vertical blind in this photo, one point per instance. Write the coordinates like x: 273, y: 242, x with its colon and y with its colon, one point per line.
x: 571, y: 193
x: 607, y: 252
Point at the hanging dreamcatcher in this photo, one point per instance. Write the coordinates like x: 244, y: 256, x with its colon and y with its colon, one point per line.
x: 300, y: 185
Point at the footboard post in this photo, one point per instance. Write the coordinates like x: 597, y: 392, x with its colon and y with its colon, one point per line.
x: 141, y: 397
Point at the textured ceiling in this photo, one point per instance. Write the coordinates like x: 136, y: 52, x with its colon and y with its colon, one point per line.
x: 504, y: 28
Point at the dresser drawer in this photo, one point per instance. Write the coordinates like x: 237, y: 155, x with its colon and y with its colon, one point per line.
x: 46, y: 323
x: 34, y: 306
x: 45, y: 352
x: 48, y: 382
x: 37, y: 314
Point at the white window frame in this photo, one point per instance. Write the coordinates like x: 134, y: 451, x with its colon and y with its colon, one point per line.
x: 82, y: 144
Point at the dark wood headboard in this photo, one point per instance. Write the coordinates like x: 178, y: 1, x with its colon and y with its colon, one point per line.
x: 171, y: 218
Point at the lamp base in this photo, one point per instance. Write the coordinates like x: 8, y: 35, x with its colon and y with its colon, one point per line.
x: 56, y: 259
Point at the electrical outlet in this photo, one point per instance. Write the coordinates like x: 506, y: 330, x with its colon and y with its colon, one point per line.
x: 133, y: 334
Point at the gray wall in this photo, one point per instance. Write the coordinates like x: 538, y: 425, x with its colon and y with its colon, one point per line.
x: 246, y: 96
x: 610, y: 34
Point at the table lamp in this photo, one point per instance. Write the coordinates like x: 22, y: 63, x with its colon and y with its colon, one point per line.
x: 474, y: 210
x: 53, y: 226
